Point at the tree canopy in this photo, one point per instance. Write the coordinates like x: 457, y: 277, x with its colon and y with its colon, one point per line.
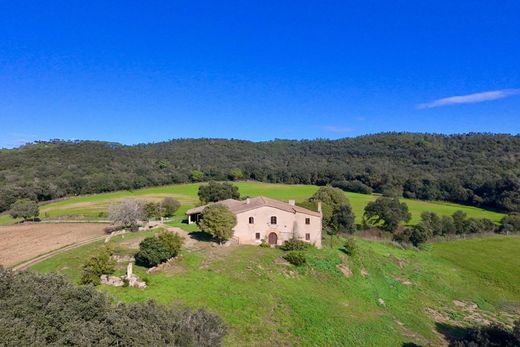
x: 474, y: 169
x: 386, y: 212
x: 45, y: 309
x: 24, y: 208
x: 218, y: 221
x: 126, y: 213
x: 215, y: 191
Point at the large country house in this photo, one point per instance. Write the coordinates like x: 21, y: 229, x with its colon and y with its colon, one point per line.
x: 271, y: 220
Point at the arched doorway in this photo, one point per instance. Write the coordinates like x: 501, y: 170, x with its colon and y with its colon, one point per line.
x: 273, y: 239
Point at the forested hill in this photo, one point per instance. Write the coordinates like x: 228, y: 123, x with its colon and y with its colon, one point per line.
x: 475, y: 169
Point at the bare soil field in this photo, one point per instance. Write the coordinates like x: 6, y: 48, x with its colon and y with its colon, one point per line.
x: 26, y: 241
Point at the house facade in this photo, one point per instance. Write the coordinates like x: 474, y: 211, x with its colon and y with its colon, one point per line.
x: 274, y: 221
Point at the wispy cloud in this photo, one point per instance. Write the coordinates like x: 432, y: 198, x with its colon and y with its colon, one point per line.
x: 337, y: 129
x: 471, y: 98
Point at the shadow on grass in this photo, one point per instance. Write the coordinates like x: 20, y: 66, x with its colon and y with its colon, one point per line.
x: 201, y: 236
x: 492, y: 335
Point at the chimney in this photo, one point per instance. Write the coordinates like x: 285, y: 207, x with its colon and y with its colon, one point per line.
x: 247, y: 201
x: 292, y: 202
x: 319, y: 206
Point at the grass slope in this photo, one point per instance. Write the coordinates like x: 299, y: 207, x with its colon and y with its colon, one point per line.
x: 268, y: 303
x: 91, y: 205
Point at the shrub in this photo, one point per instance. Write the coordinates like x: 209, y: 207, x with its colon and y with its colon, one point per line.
x: 402, y: 235
x: 172, y: 241
x: 112, y: 228
x: 510, y: 223
x: 350, y: 246
x: 296, y: 258
x: 155, y: 250
x: 25, y: 209
x: 153, y: 210
x: 100, y: 264
x: 420, y: 234
x: 46, y: 309
x: 170, y: 206
x: 264, y: 244
x: 294, y: 245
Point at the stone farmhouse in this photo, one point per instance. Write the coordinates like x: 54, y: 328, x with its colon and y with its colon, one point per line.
x: 274, y: 221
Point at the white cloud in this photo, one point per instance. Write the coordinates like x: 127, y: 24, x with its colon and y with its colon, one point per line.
x: 471, y: 98
x: 337, y: 129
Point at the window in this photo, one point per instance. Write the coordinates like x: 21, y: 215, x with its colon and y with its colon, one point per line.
x: 273, y: 220
x: 251, y: 220
x: 307, y: 221
x: 257, y: 236
x: 307, y: 237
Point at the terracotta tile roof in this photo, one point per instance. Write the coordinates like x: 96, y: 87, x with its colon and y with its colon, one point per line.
x: 239, y: 206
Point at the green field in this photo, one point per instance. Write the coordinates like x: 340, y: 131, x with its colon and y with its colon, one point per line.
x: 267, y: 303
x: 90, y: 206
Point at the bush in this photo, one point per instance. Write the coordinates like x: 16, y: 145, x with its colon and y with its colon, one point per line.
x: 402, y: 235
x: 416, y: 235
x: 100, y: 264
x: 294, y: 245
x: 420, y: 234
x: 153, y: 210
x: 46, y: 309
x: 296, y: 258
x: 25, y: 209
x: 155, y: 250
x: 510, y: 223
x: 170, y: 206
x: 350, y: 247
x: 265, y: 244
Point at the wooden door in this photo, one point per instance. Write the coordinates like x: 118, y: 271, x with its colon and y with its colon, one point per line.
x: 273, y: 239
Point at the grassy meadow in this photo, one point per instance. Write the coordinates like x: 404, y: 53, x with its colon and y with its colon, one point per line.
x: 90, y: 206
x: 391, y: 298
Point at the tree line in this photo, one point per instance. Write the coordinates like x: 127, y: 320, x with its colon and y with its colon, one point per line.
x: 473, y: 169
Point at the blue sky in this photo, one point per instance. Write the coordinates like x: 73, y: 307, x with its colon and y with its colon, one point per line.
x: 146, y: 71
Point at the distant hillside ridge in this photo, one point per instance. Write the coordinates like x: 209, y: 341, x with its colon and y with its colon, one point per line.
x: 474, y: 169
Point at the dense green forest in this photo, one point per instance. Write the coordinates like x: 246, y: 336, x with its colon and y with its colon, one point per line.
x: 475, y: 169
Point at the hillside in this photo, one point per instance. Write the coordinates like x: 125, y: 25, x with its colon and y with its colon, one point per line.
x: 393, y: 296
x: 92, y: 207
x: 473, y: 169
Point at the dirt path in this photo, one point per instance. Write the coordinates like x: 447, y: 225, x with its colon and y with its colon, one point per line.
x: 19, y: 243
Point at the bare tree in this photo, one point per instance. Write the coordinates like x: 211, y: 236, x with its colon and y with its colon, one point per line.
x: 126, y: 213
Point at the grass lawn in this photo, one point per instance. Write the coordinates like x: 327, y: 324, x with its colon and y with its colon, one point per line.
x: 267, y: 303
x: 90, y: 206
